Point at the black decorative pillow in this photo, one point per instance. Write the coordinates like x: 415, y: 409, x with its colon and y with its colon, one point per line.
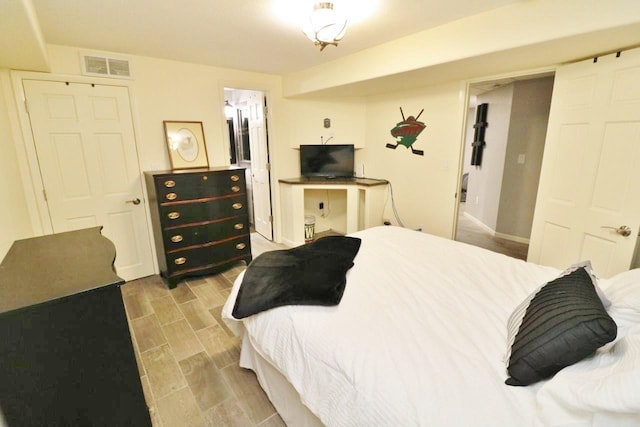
x: 312, y: 274
x: 561, y: 323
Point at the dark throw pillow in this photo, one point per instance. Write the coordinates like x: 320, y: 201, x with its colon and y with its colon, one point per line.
x: 312, y: 274
x: 564, y: 322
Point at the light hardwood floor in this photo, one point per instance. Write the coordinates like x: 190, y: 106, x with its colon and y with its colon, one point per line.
x: 469, y: 232
x: 187, y: 357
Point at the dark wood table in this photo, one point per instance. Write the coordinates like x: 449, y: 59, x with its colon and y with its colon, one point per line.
x: 66, y: 356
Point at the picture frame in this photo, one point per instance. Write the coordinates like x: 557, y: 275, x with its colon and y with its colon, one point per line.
x: 186, y: 144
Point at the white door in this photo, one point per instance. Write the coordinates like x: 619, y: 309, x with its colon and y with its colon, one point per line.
x: 260, y: 165
x: 588, y: 203
x: 86, y: 150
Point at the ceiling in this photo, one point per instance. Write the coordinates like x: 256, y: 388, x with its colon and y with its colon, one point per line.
x: 253, y: 35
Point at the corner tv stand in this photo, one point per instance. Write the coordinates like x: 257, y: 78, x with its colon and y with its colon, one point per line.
x: 355, y: 204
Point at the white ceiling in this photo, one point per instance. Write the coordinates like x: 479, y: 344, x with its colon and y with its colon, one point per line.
x: 254, y: 35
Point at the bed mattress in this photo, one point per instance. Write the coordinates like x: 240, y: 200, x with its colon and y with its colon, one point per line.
x: 419, y: 338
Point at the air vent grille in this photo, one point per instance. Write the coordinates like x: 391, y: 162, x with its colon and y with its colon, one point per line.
x: 103, y: 66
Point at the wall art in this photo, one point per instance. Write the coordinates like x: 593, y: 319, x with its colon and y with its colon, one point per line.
x: 407, y: 131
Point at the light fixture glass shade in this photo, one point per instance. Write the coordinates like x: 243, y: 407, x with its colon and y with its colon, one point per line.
x: 325, y: 25
x: 228, y: 109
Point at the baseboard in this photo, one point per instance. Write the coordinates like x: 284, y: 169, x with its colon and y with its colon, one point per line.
x: 517, y: 239
x: 289, y: 243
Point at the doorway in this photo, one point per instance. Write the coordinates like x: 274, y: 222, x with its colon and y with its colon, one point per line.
x: 498, y: 193
x: 246, y: 113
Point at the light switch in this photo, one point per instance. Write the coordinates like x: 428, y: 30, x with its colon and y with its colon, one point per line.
x: 521, y: 159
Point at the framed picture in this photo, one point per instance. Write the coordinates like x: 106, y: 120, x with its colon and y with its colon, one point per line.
x: 185, y: 141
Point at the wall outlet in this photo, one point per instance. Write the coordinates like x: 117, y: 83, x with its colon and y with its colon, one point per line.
x: 321, y: 205
x: 521, y: 158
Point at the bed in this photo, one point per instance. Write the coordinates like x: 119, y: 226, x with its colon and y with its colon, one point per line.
x: 420, y: 339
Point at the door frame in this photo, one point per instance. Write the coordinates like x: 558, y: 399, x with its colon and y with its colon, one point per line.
x: 33, y: 186
x: 266, y: 92
x: 465, y: 98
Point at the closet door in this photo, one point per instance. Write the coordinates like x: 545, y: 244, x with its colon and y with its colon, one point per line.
x: 85, y: 143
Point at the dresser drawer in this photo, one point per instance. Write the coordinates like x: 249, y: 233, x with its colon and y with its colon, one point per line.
x: 183, y: 237
x: 199, y: 185
x: 172, y: 215
x: 208, y: 256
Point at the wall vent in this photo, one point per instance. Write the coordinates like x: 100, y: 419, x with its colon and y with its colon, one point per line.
x: 105, y: 66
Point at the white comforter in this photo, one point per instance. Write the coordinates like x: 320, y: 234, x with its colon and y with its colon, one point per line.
x: 417, y: 340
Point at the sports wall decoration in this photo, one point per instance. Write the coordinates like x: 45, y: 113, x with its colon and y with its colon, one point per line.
x: 406, y: 132
x: 478, y: 136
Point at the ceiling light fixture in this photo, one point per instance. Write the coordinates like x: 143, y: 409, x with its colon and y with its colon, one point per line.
x: 325, y: 25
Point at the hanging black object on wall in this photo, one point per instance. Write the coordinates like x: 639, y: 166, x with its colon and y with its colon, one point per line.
x: 478, y: 138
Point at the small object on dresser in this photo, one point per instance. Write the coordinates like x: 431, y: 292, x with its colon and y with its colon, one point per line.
x: 200, y: 222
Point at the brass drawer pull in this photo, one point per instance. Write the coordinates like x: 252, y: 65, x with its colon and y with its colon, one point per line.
x: 235, y: 188
x: 176, y: 239
x: 170, y: 184
x: 235, y: 178
x: 236, y: 206
x: 205, y: 177
x: 240, y: 246
x: 174, y: 215
x: 180, y: 261
x: 171, y: 196
x: 238, y: 226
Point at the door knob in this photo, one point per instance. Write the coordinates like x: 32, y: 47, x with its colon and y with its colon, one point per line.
x: 135, y: 201
x: 623, y: 230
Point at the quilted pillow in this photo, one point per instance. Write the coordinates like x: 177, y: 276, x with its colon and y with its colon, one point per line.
x: 558, y: 325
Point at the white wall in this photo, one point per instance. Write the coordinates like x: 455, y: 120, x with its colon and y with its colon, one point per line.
x: 527, y: 134
x: 165, y: 90
x: 424, y: 186
x: 485, y: 181
x: 305, y: 121
x: 170, y: 90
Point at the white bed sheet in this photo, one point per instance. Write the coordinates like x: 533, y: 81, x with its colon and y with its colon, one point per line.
x: 417, y: 340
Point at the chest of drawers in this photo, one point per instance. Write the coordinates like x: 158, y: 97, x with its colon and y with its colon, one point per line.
x: 200, y: 221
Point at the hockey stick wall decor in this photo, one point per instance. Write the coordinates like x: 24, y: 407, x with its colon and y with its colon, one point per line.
x: 406, y: 132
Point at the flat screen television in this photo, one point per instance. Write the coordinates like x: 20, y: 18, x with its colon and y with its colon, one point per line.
x: 326, y: 161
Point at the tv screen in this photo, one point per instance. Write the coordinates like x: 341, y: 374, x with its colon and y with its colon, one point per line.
x: 326, y: 161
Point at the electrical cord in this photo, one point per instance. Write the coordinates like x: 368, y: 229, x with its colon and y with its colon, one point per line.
x: 325, y: 212
x: 393, y: 200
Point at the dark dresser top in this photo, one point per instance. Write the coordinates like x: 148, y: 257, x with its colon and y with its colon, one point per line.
x: 45, y: 268
x: 194, y: 170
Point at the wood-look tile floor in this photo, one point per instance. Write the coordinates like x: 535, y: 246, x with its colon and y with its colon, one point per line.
x: 187, y: 357
x: 470, y: 232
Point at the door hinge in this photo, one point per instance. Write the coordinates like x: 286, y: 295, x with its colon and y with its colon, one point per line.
x: 44, y: 193
x: 266, y: 111
x: 268, y: 166
x: 271, y: 218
